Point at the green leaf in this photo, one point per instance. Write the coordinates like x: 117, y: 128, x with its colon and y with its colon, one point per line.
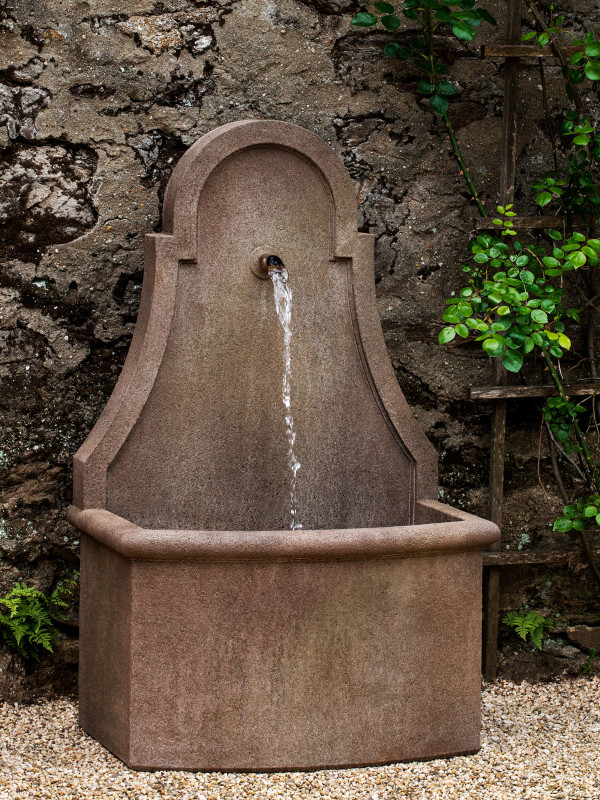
x: 553, y: 234
x: 582, y: 139
x: 537, y: 338
x: 556, y: 351
x: 512, y: 360
x: 528, y: 345
x: 462, y: 330
x: 446, y: 335
x: 392, y: 49
x: 543, y: 199
x: 391, y: 23
x: 570, y: 512
x: 577, y: 258
x: 562, y: 525
x: 451, y: 316
x: 539, y: 316
x: 463, y: 30
x: 384, y: 8
x: 425, y: 87
x: 445, y: 87
x: 364, y: 19
x: 592, y: 70
x: 492, y: 347
x: 486, y: 16
x: 597, y: 519
x: 564, y: 341
x: 590, y: 511
x: 439, y: 104
x: 503, y: 311
x: 526, y: 276
x: 502, y: 325
x: 549, y: 261
x: 464, y: 309
x: 527, y: 36
x: 575, y: 76
x: 481, y: 258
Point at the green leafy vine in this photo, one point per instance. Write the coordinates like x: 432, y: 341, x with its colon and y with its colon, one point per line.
x: 461, y: 19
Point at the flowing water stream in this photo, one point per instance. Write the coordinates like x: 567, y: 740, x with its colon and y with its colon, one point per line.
x: 283, y: 305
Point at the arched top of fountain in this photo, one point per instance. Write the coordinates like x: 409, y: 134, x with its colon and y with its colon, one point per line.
x: 194, y: 168
x: 193, y: 436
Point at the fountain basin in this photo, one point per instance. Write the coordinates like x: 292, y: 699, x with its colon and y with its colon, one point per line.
x: 282, y: 650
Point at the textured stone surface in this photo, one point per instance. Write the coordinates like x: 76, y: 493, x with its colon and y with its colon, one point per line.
x: 584, y: 636
x: 101, y: 83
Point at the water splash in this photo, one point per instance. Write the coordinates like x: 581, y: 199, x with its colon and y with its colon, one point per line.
x: 283, y: 306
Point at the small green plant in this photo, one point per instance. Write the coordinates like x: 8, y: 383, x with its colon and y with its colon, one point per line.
x: 27, y: 617
x: 588, y: 667
x: 529, y: 624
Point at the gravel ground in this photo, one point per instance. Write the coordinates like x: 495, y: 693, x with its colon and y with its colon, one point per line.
x: 539, y: 741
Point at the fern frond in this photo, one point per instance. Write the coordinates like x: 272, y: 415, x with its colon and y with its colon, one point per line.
x: 26, y: 622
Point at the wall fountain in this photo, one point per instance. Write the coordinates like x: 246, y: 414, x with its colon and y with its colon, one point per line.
x: 217, y: 634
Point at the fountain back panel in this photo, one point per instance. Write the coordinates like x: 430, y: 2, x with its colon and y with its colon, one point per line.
x: 213, y: 637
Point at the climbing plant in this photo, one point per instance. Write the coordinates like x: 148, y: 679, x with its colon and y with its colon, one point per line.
x: 433, y: 17
x: 572, y: 187
x: 515, y: 299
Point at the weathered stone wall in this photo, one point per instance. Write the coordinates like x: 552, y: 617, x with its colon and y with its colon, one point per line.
x: 98, y: 100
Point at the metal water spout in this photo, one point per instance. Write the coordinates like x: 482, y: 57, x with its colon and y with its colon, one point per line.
x: 266, y: 266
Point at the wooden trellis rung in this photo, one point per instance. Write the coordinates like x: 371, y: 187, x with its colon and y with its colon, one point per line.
x: 550, y: 557
x: 524, y: 51
x: 531, y: 223
x: 510, y: 392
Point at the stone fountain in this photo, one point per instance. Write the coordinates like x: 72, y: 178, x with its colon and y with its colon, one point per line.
x: 213, y: 636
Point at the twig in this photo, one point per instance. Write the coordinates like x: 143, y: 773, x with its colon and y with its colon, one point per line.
x: 551, y: 134
x: 428, y: 30
x: 586, y: 455
x: 565, y: 455
x: 555, y: 468
x: 559, y: 54
x: 463, y: 167
x: 539, y: 458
